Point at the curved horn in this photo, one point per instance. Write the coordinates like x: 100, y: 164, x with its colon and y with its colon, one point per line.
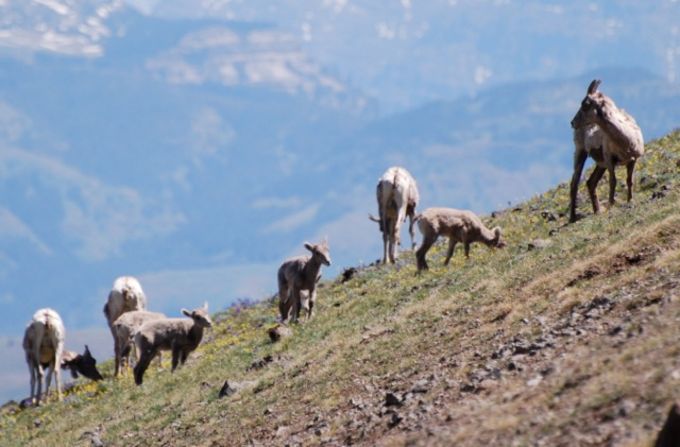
x: 592, y: 88
x: 373, y: 218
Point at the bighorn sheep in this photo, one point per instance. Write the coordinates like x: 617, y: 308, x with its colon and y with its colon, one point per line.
x: 397, y: 194
x: 611, y: 137
x: 126, y: 295
x: 179, y: 335
x: 84, y: 364
x: 300, y: 274
x: 44, y: 347
x: 458, y: 226
x: 124, y: 329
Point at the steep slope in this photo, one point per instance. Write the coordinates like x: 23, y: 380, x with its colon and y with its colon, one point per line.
x: 573, y: 338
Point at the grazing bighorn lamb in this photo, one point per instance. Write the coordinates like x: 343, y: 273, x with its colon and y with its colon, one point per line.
x: 124, y: 329
x: 397, y: 194
x: 179, y: 335
x: 458, y: 226
x: 84, y: 364
x: 126, y: 295
x: 297, y: 275
x: 611, y: 137
x: 44, y: 347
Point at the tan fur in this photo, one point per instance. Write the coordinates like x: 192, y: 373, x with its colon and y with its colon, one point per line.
x: 611, y: 137
x: 124, y: 329
x: 459, y: 226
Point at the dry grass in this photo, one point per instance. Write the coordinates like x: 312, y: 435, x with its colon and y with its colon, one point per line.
x: 388, y: 328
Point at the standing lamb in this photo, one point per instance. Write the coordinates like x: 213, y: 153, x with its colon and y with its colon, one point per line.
x: 611, y: 137
x: 179, y: 335
x: 297, y: 275
x: 126, y: 295
x: 458, y: 226
x: 44, y: 346
x: 397, y: 194
x: 124, y: 329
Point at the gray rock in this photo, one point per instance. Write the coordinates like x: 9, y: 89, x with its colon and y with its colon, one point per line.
x: 279, y: 332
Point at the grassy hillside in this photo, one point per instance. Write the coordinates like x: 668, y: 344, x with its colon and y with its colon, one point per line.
x: 572, y: 339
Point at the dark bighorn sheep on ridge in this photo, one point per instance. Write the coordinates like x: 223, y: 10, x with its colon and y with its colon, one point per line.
x: 611, y: 137
x: 397, y: 194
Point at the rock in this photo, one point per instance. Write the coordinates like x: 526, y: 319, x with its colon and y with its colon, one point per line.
x: 421, y: 386
x: 392, y: 399
x: 549, y: 216
x: 230, y: 388
x: 535, y: 381
x: 669, y: 436
x: 348, y: 274
x: 539, y: 244
x: 260, y: 363
x: 279, y: 332
x: 37, y: 423
x: 395, y: 419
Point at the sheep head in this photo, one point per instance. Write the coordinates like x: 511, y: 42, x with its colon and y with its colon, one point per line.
x: 592, y: 106
x: 320, y: 251
x: 200, y: 316
x: 84, y: 364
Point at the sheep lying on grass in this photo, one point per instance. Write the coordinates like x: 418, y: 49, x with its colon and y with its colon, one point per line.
x: 297, y: 275
x: 458, y: 226
x: 179, y: 335
x: 611, y: 137
x: 124, y: 329
x: 44, y: 346
x: 397, y: 194
x: 126, y: 295
x: 84, y: 364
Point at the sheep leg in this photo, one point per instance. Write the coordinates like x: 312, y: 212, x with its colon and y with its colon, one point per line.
x: 466, y: 244
x: 284, y: 299
x: 422, y: 251
x: 141, y: 366
x: 630, y: 167
x: 580, y: 158
x: 40, y: 375
x: 176, y: 352
x: 296, y: 304
x: 612, y: 184
x: 311, y: 300
x: 411, y: 230
x: 48, y: 379
x: 32, y: 371
x: 57, y: 376
x: 183, y: 356
x: 386, y: 240
x: 117, y: 356
x: 449, y: 253
x: 592, y: 182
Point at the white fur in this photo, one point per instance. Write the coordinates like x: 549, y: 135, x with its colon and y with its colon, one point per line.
x: 44, y: 346
x: 126, y: 295
x: 397, y: 196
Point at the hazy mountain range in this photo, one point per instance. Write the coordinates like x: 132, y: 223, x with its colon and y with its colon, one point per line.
x: 196, y: 144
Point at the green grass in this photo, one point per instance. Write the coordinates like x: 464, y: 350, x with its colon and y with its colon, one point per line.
x: 389, y: 324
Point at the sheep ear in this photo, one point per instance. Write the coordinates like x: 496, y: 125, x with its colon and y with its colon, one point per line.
x: 309, y: 246
x: 205, y: 306
x: 592, y: 88
x: 87, y: 352
x: 186, y: 312
x: 325, y: 241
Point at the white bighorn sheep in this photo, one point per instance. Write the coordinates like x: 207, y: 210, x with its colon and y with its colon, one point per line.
x: 459, y: 226
x: 44, y: 347
x: 126, y: 295
x: 300, y: 274
x: 124, y: 329
x: 179, y: 335
x: 611, y: 137
x: 397, y: 194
